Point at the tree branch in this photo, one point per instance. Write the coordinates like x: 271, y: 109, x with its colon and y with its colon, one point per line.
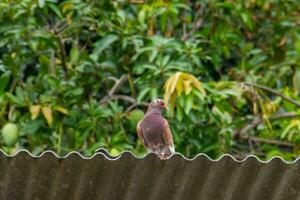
x: 198, y: 22
x: 123, y: 98
x: 259, y: 120
x: 119, y: 83
x: 242, y: 133
x: 284, y: 115
x: 267, y: 141
x: 270, y: 90
x: 63, y: 56
x: 57, y: 30
x: 111, y: 94
x: 255, y: 122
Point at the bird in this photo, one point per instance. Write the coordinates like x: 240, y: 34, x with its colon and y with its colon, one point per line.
x: 154, y: 132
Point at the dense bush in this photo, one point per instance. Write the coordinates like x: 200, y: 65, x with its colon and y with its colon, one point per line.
x: 75, y: 75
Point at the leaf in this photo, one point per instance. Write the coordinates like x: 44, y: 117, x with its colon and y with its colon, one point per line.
x: 165, y: 60
x: 74, y: 54
x: 153, y: 55
x: 172, y: 102
x: 14, y: 99
x: 141, y: 67
x: 47, y: 112
x: 297, y: 47
x: 172, y: 82
x: 198, y: 85
x: 41, y: 3
x: 179, y: 113
x: 296, y: 82
x: 44, y: 64
x: 179, y: 80
x: 61, y: 109
x: 32, y: 126
x: 142, y: 94
x: 105, y: 43
x: 217, y: 112
x: 187, y: 86
x: 4, y: 80
x: 154, y: 93
x: 34, y: 110
x: 189, y: 104
x: 66, y: 6
x: 247, y: 20
x: 292, y: 124
x: 56, y: 10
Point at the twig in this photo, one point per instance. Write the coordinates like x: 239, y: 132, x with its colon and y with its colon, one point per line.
x: 112, y: 78
x: 267, y: 141
x: 137, y: 1
x: 57, y: 29
x: 111, y: 94
x: 284, y: 115
x: 63, y: 55
x: 13, y: 86
x: 131, y: 107
x: 242, y: 133
x: 270, y: 90
x: 119, y: 83
x: 198, y: 22
x: 259, y: 120
x: 124, y: 98
x: 256, y: 121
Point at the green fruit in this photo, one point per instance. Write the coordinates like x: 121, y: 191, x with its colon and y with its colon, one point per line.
x: 114, y: 152
x: 134, y: 117
x: 10, y: 134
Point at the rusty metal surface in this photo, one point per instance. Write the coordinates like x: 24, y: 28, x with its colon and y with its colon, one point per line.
x: 23, y: 176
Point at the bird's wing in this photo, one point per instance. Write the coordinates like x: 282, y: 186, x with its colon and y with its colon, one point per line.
x: 140, y: 134
x: 167, y: 136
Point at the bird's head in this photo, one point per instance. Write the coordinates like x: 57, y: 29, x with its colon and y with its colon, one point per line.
x: 158, y: 104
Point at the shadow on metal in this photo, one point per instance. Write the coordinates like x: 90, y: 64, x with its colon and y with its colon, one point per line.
x: 102, y: 176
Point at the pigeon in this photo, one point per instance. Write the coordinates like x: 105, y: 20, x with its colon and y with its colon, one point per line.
x: 154, y: 132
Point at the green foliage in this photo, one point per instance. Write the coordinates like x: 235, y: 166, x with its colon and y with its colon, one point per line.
x: 74, y: 75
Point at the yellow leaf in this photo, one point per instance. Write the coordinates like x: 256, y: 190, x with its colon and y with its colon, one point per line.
x: 167, y: 97
x: 174, y: 82
x: 61, y: 109
x: 198, y: 85
x: 167, y: 85
x: 179, y: 86
x: 69, y: 18
x: 172, y: 102
x: 47, y: 112
x: 34, y: 110
x: 66, y: 7
x: 187, y: 86
x: 170, y: 86
x: 179, y: 82
x: 57, y: 61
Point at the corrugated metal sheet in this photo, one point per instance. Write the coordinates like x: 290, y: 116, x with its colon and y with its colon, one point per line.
x: 73, y: 176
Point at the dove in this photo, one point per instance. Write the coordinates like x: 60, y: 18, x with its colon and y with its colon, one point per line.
x: 154, y: 132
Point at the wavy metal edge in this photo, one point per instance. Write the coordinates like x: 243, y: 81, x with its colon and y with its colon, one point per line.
x: 108, y: 156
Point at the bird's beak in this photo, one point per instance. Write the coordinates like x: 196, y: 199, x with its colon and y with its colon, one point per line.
x: 166, y: 107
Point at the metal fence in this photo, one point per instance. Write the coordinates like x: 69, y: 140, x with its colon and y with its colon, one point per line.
x: 24, y: 176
